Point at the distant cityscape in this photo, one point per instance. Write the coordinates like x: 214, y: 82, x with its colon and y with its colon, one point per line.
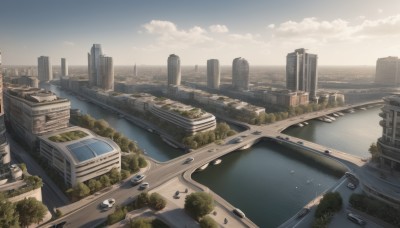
x: 181, y: 104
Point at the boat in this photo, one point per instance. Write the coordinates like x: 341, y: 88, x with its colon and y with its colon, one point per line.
x: 300, y: 125
x: 305, y: 123
x: 327, y: 120
x: 216, y: 162
x: 150, y: 130
x: 331, y: 118
x: 349, y: 110
x: 340, y: 113
x: 363, y: 108
x: 203, y: 167
x: 335, y: 114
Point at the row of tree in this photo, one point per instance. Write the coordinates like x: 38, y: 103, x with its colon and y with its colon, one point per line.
x: 102, y: 128
x: 330, y: 203
x: 147, y: 223
x: 203, y: 138
x: 22, y: 213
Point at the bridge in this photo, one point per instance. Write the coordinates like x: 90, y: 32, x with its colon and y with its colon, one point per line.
x: 161, y: 172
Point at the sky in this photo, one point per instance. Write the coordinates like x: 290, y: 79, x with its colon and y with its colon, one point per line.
x: 146, y: 32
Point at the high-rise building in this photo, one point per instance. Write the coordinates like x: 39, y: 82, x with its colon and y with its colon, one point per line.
x: 64, y: 67
x: 388, y: 71
x: 301, y: 72
x: 45, y: 72
x: 174, y: 70
x: 94, y: 64
x: 389, y: 143
x: 135, y: 71
x: 106, y: 79
x: 213, y: 73
x: 240, y: 74
x: 5, y: 158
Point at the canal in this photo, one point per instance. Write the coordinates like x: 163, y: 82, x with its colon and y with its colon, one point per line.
x: 269, y: 182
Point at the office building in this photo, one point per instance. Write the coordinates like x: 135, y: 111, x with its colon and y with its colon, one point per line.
x: 389, y: 143
x: 240, y: 74
x: 213, y: 74
x: 64, y: 67
x: 80, y: 158
x: 106, y: 79
x: 33, y: 111
x: 94, y: 64
x: 135, y: 71
x: 45, y: 72
x: 388, y: 71
x: 174, y: 70
x: 5, y: 158
x: 301, y: 72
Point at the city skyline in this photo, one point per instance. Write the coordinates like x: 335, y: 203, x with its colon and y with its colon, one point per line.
x: 147, y: 32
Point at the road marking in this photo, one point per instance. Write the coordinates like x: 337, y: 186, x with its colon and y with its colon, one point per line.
x: 339, y: 185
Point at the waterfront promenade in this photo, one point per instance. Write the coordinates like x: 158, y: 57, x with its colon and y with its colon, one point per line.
x: 162, y: 172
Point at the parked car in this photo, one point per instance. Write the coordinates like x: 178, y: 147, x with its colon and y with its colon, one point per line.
x: 239, y: 213
x: 303, y: 212
x: 351, y: 186
x: 144, y: 186
x: 138, y: 178
x: 108, y: 203
x: 327, y: 151
x: 356, y: 219
x: 300, y: 142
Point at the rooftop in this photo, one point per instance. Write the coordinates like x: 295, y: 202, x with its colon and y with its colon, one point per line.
x: 68, y: 136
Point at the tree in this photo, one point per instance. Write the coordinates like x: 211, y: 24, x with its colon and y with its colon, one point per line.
x: 23, y: 167
x: 142, y: 200
x: 125, y: 174
x: 105, y: 181
x: 34, y: 181
x: 373, y: 150
x: 134, y: 164
x: 208, y: 222
x: 94, y: 185
x: 142, y: 162
x: 331, y: 202
x: 8, y: 213
x: 81, y: 190
x: 199, y: 204
x: 30, y: 211
x: 115, y: 176
x: 157, y: 201
x: 140, y: 223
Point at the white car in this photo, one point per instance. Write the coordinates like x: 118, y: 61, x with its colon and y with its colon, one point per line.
x: 138, y: 178
x: 189, y: 160
x: 108, y: 203
x: 351, y: 186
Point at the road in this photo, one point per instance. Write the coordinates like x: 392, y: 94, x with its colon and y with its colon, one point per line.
x: 160, y: 173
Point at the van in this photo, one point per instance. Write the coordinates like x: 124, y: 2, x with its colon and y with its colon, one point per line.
x: 356, y: 219
x: 239, y: 213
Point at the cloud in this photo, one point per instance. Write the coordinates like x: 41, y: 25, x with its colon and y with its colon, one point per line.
x: 380, y: 10
x: 169, y: 34
x: 219, y: 28
x: 68, y: 43
x: 271, y: 26
x: 312, y: 29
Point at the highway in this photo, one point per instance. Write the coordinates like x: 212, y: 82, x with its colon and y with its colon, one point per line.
x: 160, y: 173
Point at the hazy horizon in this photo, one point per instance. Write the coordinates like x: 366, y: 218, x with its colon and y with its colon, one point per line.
x: 341, y: 32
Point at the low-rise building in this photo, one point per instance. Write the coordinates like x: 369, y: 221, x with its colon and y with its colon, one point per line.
x: 32, y: 111
x: 78, y: 154
x: 281, y: 97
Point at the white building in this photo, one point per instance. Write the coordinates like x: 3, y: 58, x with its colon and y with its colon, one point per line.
x: 81, y: 159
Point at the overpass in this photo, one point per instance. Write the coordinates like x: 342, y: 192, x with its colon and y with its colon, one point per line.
x: 162, y: 172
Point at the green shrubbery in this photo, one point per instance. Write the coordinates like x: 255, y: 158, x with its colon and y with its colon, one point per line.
x: 330, y: 203
x: 208, y: 222
x: 199, y: 204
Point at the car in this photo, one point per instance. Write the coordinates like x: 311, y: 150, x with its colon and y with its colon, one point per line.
x: 239, y: 213
x: 144, y: 186
x: 327, y: 151
x: 257, y: 132
x: 108, y: 203
x: 351, y: 186
x: 300, y: 142
x: 138, y: 178
x: 356, y: 219
x: 189, y: 160
x: 303, y: 212
x: 287, y: 138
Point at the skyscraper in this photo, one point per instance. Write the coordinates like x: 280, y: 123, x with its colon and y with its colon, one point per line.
x: 135, y: 71
x: 213, y: 73
x: 240, y: 74
x: 389, y: 143
x: 64, y: 67
x: 388, y: 71
x: 45, y: 72
x: 94, y: 64
x: 301, y: 72
x: 5, y: 158
x: 174, y: 70
x: 106, y: 79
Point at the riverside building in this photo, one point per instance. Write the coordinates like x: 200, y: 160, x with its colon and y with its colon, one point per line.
x: 78, y: 154
x: 389, y: 143
x: 64, y: 67
x: 5, y: 158
x: 301, y: 72
x: 33, y: 111
x: 100, y: 69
